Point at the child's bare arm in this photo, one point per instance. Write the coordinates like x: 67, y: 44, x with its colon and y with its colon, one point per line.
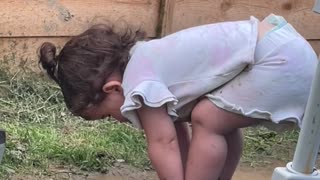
x: 163, y: 146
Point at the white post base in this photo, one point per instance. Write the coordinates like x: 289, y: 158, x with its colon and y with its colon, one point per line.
x: 287, y: 173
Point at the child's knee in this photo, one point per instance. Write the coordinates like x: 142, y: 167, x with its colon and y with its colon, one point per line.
x: 206, y: 116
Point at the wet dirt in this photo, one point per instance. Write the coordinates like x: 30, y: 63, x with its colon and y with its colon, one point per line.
x: 249, y: 173
x: 125, y: 172
x: 243, y: 173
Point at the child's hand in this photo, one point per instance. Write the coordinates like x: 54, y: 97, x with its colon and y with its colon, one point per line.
x: 163, y: 146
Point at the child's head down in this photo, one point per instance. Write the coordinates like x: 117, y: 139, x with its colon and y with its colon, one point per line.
x: 86, y: 61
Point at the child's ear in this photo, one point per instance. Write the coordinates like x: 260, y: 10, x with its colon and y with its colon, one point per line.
x: 112, y: 87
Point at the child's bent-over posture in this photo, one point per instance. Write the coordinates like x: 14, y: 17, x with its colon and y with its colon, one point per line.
x: 220, y: 77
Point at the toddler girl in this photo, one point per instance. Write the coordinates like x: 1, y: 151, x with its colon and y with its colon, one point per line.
x: 219, y: 77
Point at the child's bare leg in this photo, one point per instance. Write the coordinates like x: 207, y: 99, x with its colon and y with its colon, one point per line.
x: 208, y: 149
x: 183, y: 134
x: 207, y: 154
x: 234, y: 142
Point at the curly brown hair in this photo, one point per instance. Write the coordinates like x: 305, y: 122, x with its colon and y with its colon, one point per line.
x: 86, y: 61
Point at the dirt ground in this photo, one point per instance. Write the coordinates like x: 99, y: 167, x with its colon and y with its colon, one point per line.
x: 125, y: 172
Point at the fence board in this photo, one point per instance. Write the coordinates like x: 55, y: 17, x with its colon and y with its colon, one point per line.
x: 316, y: 45
x: 18, y: 54
x: 43, y: 18
x: 181, y: 14
x: 24, y: 25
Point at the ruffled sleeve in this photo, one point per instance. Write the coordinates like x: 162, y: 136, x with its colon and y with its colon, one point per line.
x: 150, y: 93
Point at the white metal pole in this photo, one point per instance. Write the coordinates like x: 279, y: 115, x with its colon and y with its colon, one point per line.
x: 302, y: 167
x: 309, y: 138
x: 308, y: 143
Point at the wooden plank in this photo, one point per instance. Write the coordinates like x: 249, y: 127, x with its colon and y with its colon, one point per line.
x: 42, y: 18
x: 18, y: 54
x: 316, y: 45
x: 182, y: 14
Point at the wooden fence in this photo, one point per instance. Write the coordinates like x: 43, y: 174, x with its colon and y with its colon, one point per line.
x: 24, y: 25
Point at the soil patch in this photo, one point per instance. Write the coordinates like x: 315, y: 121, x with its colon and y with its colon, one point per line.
x: 125, y: 172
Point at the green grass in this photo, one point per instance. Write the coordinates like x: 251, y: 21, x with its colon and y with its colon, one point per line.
x: 263, y: 147
x: 42, y: 132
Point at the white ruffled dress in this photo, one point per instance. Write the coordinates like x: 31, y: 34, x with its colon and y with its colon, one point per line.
x: 269, y: 79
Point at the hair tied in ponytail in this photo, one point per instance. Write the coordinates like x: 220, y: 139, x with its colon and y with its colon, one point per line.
x: 48, y: 60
